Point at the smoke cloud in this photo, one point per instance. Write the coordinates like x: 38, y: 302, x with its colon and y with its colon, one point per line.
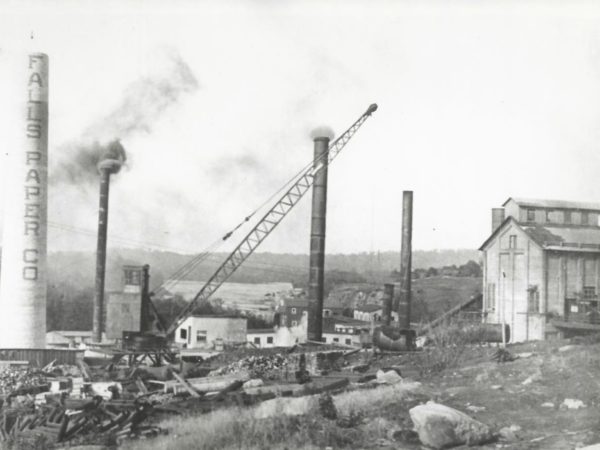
x: 141, y: 106
x: 322, y: 132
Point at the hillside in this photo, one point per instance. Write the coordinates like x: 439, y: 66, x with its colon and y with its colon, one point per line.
x: 78, y: 267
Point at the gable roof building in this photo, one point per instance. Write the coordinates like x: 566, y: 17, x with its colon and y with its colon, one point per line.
x: 542, y: 267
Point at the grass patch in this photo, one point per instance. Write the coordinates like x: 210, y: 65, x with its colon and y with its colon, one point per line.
x: 237, y: 428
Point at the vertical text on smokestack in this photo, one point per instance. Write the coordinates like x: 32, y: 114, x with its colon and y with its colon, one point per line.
x: 33, y: 157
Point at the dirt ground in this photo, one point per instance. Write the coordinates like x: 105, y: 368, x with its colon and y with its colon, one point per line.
x: 527, y: 393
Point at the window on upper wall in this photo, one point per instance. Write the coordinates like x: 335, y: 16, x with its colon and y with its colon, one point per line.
x: 585, y: 218
x: 183, y: 333
x: 533, y: 299
x: 567, y: 216
x: 269, y: 339
x: 589, y: 292
x: 512, y: 241
x: 549, y: 216
x: 531, y: 215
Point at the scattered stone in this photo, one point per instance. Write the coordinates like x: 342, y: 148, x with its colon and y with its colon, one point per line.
x: 496, y: 387
x: 509, y: 434
x: 534, y: 377
x: 476, y: 408
x: 389, y: 377
x: 524, y: 355
x: 566, y: 348
x: 482, y: 377
x: 440, y: 426
x: 591, y: 447
x: 547, y: 405
x: 571, y: 403
x: 255, y: 382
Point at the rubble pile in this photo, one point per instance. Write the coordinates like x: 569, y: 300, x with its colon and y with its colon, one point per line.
x: 266, y: 367
x: 111, y: 422
x: 14, y: 380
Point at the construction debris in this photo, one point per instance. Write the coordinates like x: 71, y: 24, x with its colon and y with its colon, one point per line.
x: 502, y: 355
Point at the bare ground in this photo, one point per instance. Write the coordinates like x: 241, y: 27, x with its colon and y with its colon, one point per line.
x: 498, y: 394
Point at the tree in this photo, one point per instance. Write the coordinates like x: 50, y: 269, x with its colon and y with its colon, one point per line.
x: 470, y: 269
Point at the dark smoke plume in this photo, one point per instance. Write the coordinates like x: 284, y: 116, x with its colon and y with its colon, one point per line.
x: 143, y: 103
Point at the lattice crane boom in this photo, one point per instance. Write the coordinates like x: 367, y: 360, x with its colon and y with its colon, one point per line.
x: 270, y: 220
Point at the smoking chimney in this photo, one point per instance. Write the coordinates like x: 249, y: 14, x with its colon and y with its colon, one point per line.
x: 23, y: 285
x: 109, y: 164
x: 405, y: 261
x: 316, y: 275
x: 497, y: 218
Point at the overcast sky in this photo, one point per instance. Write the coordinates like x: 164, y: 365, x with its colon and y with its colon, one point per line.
x: 478, y: 101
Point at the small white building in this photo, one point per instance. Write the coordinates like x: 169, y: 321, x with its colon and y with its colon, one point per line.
x: 263, y: 338
x: 369, y: 313
x: 342, y: 338
x: 205, y: 331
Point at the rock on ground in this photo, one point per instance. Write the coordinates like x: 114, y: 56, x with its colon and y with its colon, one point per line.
x: 440, y: 426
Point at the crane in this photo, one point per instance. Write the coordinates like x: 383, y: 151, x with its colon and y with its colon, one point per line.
x: 269, y: 221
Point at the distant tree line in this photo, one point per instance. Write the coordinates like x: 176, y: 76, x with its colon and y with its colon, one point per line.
x: 469, y: 269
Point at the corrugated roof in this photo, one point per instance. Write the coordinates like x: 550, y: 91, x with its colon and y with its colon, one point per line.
x: 563, y: 204
x: 572, y: 238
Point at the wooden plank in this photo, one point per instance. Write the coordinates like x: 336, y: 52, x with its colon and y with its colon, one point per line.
x: 187, y: 386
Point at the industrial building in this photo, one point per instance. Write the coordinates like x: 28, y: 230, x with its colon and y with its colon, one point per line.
x: 541, y: 268
x: 211, y: 331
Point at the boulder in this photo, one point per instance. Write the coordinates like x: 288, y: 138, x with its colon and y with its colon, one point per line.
x: 440, y: 426
x: 572, y: 403
x: 389, y: 377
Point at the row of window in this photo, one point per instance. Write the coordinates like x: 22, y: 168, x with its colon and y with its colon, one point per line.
x: 586, y: 217
x: 533, y: 297
x: 257, y: 340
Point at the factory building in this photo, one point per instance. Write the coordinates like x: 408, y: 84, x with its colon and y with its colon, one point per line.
x: 541, y: 268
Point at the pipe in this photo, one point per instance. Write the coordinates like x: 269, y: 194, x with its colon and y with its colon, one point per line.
x: 388, y: 298
x: 405, y: 261
x: 145, y: 325
x: 23, y: 286
x: 316, y: 276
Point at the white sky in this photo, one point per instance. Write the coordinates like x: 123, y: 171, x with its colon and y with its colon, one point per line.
x: 478, y: 101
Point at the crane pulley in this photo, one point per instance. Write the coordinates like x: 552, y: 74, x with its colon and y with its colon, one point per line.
x: 269, y: 221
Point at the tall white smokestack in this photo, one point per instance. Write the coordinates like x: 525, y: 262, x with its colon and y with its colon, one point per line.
x: 23, y: 277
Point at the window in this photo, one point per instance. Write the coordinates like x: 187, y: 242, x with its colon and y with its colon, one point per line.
x: 348, y: 341
x: 182, y: 333
x: 533, y: 299
x: 549, y: 215
x: 589, y: 293
x: 512, y: 241
x: 269, y: 339
x: 200, y: 336
x: 304, y: 313
x: 257, y: 340
x: 293, y: 310
x: 132, y: 277
x: 491, y: 296
x: 568, y: 217
x: 294, y: 323
x: 531, y: 215
x: 336, y: 340
x: 585, y: 218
